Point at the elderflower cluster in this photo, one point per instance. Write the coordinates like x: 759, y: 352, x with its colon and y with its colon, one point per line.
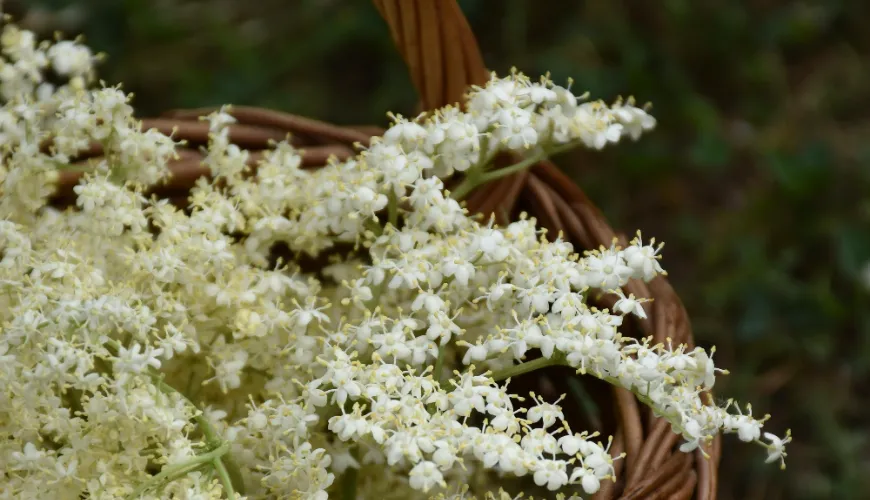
x: 149, y: 351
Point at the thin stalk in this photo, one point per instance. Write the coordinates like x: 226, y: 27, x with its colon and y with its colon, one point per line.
x: 471, y: 181
x: 374, y: 227
x: 586, y: 402
x: 349, y: 481
x: 227, y: 464
x: 372, y: 303
x: 559, y: 359
x: 528, y: 366
x: 226, y: 480
x: 393, y: 209
x: 439, y: 363
x: 213, y: 440
x: 180, y: 470
x: 475, y: 179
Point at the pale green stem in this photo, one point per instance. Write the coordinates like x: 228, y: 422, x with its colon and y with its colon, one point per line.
x: 477, y: 178
x: 471, y: 181
x: 439, y: 363
x: 376, y: 296
x: 228, y: 468
x: 173, y: 472
x: 528, y: 366
x: 231, y: 476
x: 224, y: 474
x: 66, y: 167
x: 349, y: 481
x: 393, y: 209
x: 374, y: 227
x: 559, y: 359
x: 586, y: 402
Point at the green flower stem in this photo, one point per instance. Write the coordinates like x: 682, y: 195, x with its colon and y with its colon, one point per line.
x: 439, y: 363
x: 174, y: 472
x: 226, y: 467
x: 224, y: 474
x: 477, y: 178
x: 586, y: 402
x: 349, y: 481
x: 374, y: 227
x: 528, y: 366
x: 559, y: 359
x: 66, y: 167
x: 233, y: 473
x: 393, y: 209
x: 376, y: 296
x: 471, y: 181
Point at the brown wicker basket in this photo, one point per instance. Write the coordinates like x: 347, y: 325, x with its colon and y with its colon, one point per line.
x: 441, y: 52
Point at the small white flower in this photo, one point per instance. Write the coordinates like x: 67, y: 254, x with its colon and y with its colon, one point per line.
x: 136, y: 359
x: 30, y: 456
x: 629, y: 305
x: 228, y: 370
x: 634, y: 120
x: 405, y: 132
x: 552, y: 474
x: 776, y: 448
x: 70, y: 58
x: 545, y: 412
x: 425, y: 476
x: 608, y: 271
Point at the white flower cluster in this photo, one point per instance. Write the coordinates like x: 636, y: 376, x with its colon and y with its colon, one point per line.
x: 153, y: 352
x: 25, y: 62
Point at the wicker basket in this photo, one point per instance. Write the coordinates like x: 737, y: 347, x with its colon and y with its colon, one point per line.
x: 442, y: 55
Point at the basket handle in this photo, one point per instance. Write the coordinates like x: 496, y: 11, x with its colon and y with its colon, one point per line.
x: 435, y: 40
x: 443, y: 58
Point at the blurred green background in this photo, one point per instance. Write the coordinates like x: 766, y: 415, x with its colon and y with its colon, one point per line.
x: 757, y: 176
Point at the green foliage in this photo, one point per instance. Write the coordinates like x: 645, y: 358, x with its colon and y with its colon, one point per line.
x: 757, y: 176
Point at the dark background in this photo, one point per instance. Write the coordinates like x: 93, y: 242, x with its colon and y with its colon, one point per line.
x: 757, y: 176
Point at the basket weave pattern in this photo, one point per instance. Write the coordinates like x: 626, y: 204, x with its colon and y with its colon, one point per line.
x: 442, y: 55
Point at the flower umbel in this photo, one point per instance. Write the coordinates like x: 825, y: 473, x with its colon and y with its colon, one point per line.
x: 153, y: 352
